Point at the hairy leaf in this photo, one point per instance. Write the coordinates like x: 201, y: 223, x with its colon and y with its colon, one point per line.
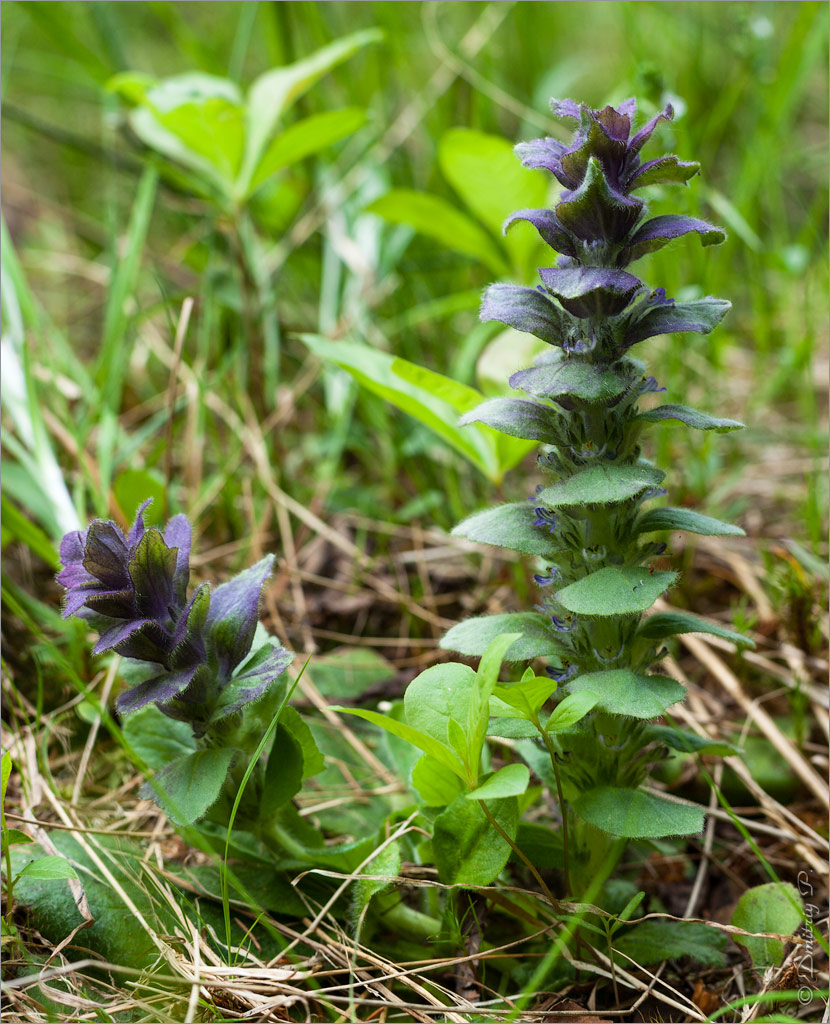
x: 473, y: 636
x: 187, y: 787
x: 635, y: 814
x: 515, y: 417
x: 691, y: 417
x: 663, y: 624
x: 613, y: 591
x: 468, y: 850
x: 604, y: 484
x: 570, y: 378
x: 651, y: 942
x: 623, y: 692
x: 685, y: 519
x: 512, y: 780
x: 774, y: 907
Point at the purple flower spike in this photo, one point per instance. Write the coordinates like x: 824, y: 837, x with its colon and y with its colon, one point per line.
x: 133, y: 590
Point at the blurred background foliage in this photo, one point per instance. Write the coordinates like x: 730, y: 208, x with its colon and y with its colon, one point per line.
x: 109, y: 240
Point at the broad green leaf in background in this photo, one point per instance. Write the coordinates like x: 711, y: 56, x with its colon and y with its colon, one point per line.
x: 157, y: 739
x: 654, y: 941
x: 468, y: 851
x: 133, y: 487
x: 485, y: 172
x: 774, y: 907
x: 275, y: 91
x: 432, y: 399
x: 305, y: 137
x: 635, y: 814
x: 443, y: 222
x: 349, y: 672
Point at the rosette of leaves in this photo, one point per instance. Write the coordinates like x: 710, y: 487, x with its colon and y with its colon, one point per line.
x: 192, y: 657
x: 590, y: 526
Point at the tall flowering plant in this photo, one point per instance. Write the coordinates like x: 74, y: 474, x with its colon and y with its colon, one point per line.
x: 591, y: 527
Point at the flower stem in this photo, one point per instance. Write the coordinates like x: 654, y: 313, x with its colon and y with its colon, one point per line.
x: 562, y: 807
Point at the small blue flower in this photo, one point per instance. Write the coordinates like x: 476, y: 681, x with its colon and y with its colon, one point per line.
x: 566, y: 625
x: 561, y: 675
x: 544, y: 517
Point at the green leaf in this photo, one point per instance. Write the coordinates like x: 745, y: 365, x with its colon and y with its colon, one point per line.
x: 386, y: 862
x: 5, y: 774
x: 16, y: 526
x: 685, y: 519
x: 313, y: 760
x: 691, y: 417
x: 468, y: 850
x: 478, y: 713
x: 350, y: 672
x: 628, y: 910
x: 437, y: 696
x: 14, y: 837
x: 133, y: 487
x: 283, y: 772
x: 484, y: 171
x: 442, y: 221
x: 512, y: 780
x: 157, y: 739
x: 687, y: 742
x: 437, y: 787
x: 386, y: 376
x: 635, y: 814
x: 428, y: 744
x: 561, y: 377
x: 651, y: 942
x: 601, y: 485
x: 623, y: 692
x: 472, y: 637
x: 48, y: 869
x: 613, y: 591
x: 571, y: 710
x: 508, y: 526
x: 305, y: 137
x: 774, y: 907
x: 663, y: 624
x: 522, y: 699
x: 187, y: 787
x: 274, y: 92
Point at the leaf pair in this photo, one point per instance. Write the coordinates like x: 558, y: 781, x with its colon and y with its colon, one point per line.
x: 230, y: 142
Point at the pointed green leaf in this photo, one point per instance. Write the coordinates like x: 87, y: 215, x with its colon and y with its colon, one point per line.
x: 635, y: 814
x: 428, y: 744
x: 48, y: 869
x: 435, y: 401
x: 691, y: 417
x: 522, y: 699
x: 685, y: 519
x: 601, y: 485
x: 623, y: 692
x: 305, y: 137
x: 283, y: 772
x: 472, y: 636
x: 571, y: 710
x: 613, y: 591
x: 272, y: 93
x: 313, y: 760
x: 438, y: 695
x: 663, y: 624
x: 516, y: 417
x: 442, y: 221
x: 508, y: 526
x: 512, y: 780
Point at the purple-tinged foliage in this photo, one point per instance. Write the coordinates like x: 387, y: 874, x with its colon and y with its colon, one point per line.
x: 591, y: 310
x: 132, y: 589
